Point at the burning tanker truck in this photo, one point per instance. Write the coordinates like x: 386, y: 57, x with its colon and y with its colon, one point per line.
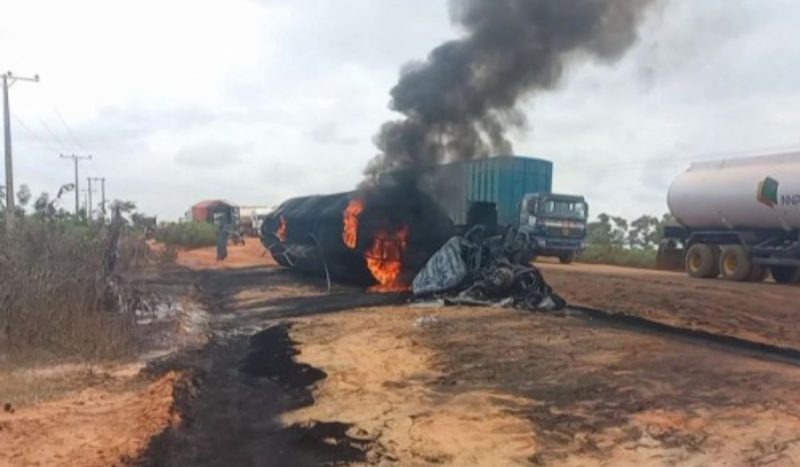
x: 378, y: 237
x: 398, y: 239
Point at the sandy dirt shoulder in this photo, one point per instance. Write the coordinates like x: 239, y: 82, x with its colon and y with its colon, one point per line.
x: 498, y: 387
x: 101, y: 414
x: 763, y: 312
x: 251, y: 254
x: 109, y: 421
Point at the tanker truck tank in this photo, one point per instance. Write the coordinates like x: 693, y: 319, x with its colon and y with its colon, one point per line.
x: 739, y: 218
x: 752, y: 193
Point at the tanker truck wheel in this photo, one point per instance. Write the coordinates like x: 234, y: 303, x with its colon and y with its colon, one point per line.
x: 785, y: 274
x: 702, y: 261
x: 735, y: 264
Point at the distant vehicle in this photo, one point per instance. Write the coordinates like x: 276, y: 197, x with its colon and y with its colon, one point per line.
x: 511, y: 191
x: 217, y: 212
x: 251, y: 218
x: 556, y: 223
x: 739, y: 219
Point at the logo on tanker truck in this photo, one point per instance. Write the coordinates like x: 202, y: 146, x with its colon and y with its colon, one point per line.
x: 768, y: 194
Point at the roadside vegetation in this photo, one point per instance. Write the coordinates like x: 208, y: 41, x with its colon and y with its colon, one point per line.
x: 190, y: 235
x: 62, y: 293
x: 616, y: 241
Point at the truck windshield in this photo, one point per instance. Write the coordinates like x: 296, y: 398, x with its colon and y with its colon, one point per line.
x: 568, y: 208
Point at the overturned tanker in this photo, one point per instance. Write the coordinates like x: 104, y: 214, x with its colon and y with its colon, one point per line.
x: 375, y: 236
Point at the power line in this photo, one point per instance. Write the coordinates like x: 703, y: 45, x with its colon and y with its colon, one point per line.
x: 34, y: 134
x: 69, y: 131
x: 56, y: 138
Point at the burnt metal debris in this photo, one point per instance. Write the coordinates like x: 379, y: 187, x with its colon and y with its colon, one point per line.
x: 486, y: 271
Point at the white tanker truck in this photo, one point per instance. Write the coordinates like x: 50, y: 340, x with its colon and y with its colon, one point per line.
x: 739, y: 219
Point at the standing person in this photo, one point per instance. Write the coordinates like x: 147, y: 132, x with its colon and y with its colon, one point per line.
x: 222, y: 242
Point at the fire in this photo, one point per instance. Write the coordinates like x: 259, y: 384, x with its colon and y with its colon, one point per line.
x: 350, y: 230
x: 282, y: 229
x: 385, y: 260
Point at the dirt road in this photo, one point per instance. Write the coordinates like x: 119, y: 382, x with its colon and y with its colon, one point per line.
x: 295, y: 375
x: 764, y: 312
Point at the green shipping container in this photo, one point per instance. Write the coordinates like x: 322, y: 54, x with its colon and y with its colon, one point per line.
x: 500, y: 180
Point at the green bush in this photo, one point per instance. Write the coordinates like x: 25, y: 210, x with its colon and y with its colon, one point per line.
x: 189, y: 235
x: 636, y: 258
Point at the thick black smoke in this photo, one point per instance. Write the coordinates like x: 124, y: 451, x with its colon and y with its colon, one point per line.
x: 459, y: 102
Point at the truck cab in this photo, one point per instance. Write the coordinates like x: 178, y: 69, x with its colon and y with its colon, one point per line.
x: 555, y: 224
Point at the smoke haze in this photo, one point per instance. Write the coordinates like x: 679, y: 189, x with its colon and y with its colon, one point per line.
x: 459, y: 102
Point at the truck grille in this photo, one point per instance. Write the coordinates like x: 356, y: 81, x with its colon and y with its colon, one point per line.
x: 564, y: 232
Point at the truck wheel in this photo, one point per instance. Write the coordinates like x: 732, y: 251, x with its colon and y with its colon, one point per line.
x: 735, y: 264
x: 566, y: 258
x: 785, y: 274
x: 702, y: 261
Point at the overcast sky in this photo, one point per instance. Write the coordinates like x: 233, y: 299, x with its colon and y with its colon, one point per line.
x: 257, y: 101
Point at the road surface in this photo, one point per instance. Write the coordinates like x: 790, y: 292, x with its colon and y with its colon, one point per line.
x: 761, y: 312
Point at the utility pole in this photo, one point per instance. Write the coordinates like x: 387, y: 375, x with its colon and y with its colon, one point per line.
x: 8, y: 80
x: 102, y: 181
x: 75, y: 160
x: 87, y: 202
x: 89, y: 206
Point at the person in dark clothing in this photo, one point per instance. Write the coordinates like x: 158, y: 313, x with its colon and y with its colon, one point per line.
x: 222, y: 243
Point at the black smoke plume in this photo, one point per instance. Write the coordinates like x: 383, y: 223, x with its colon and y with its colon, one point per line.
x: 458, y: 104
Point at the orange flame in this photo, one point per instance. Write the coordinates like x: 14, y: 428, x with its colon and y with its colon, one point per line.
x: 282, y: 229
x: 350, y: 230
x: 385, y: 260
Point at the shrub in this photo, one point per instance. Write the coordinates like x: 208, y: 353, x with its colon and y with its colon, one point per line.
x: 55, y: 298
x: 189, y: 235
x: 619, y: 256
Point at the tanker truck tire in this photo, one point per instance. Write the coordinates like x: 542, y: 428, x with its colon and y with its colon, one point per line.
x: 785, y: 274
x: 735, y: 264
x: 702, y: 261
x: 566, y: 258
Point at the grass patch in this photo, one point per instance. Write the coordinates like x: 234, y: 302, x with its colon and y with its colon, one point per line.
x: 189, y: 235
x: 619, y: 256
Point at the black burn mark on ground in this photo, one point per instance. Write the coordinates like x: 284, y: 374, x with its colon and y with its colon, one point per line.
x: 272, y: 356
x: 236, y: 388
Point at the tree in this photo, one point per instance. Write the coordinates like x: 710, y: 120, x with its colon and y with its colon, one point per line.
x: 23, y: 195
x: 599, y: 232
x: 619, y: 232
x: 643, y: 233
x: 124, y: 207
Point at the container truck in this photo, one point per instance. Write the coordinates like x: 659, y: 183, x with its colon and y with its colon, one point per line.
x: 511, y: 191
x: 738, y: 219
